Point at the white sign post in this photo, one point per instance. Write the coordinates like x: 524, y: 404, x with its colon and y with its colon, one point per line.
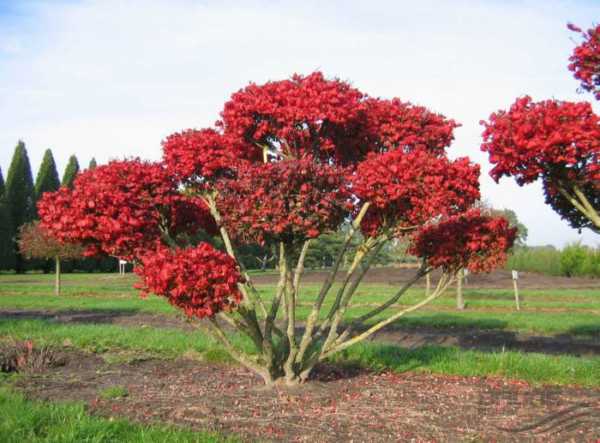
x: 515, y: 277
x: 122, y: 264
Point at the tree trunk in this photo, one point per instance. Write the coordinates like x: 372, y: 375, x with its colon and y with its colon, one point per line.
x: 57, y: 277
x: 460, y: 301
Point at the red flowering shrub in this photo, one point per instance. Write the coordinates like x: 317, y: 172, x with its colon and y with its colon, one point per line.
x: 289, y: 161
x: 470, y: 240
x: 121, y: 208
x: 557, y: 141
x: 408, y: 189
x: 200, y: 280
x: 585, y: 60
x: 287, y: 201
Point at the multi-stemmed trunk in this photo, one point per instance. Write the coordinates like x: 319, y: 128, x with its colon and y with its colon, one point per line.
x: 286, y: 351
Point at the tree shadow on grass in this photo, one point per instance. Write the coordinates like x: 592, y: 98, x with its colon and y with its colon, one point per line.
x: 489, y: 335
x: 131, y: 317
x: 592, y: 330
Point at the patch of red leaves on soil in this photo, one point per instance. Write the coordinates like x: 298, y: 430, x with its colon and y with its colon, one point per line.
x: 337, y: 405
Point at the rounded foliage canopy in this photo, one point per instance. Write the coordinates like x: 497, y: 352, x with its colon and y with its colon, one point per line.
x: 288, y: 161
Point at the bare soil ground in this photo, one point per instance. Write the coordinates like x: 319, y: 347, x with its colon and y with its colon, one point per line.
x: 398, y: 335
x: 500, y: 279
x: 337, y: 405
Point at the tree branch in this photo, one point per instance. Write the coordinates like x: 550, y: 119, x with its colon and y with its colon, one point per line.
x: 314, y: 314
x: 443, y: 284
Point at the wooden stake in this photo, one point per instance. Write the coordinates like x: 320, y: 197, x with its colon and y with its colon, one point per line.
x: 460, y: 300
x: 515, y: 277
x: 57, y: 277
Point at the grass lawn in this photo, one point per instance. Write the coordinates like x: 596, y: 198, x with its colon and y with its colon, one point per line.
x: 544, y: 312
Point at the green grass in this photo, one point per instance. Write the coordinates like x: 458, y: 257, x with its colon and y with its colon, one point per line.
x: 37, y: 422
x: 531, y: 367
x: 489, y: 309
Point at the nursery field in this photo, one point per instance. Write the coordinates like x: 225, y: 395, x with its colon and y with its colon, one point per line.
x: 107, y: 365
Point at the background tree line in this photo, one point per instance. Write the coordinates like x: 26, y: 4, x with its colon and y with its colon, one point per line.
x: 18, y: 197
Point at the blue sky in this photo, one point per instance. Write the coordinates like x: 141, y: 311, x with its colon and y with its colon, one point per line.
x: 110, y: 78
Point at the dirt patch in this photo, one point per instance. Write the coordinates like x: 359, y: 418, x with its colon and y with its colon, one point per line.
x: 499, y: 279
x: 337, y: 405
x: 486, y: 337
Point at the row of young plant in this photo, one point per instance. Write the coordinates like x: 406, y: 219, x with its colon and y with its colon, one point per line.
x: 575, y: 260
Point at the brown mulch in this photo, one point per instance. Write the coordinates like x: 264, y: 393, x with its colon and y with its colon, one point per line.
x: 337, y: 405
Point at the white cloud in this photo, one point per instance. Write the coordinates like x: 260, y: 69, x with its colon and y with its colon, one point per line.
x: 111, y: 79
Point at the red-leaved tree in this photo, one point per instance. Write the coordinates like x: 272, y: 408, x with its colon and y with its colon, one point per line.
x: 555, y: 141
x: 288, y: 161
x: 37, y: 242
x: 585, y: 60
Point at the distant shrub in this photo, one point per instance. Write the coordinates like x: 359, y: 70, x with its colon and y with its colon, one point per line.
x: 542, y: 259
x: 574, y: 260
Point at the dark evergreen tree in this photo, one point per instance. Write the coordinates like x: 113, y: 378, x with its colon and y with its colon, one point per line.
x: 20, y: 197
x: 92, y: 164
x: 70, y: 172
x: 7, y: 253
x: 47, y: 178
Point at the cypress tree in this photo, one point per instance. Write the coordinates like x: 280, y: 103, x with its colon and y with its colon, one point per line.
x: 7, y: 253
x: 47, y: 177
x: 70, y: 172
x: 20, y: 196
x: 92, y: 164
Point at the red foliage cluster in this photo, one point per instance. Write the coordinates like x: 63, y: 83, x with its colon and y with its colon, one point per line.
x: 287, y: 201
x: 121, y: 209
x: 289, y: 161
x: 469, y: 240
x: 549, y: 138
x: 203, y: 157
x: 393, y: 124
x: 585, y: 60
x: 200, y: 280
x: 408, y: 189
x: 329, y: 120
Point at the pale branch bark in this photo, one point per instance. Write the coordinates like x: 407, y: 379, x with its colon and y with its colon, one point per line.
x: 290, y: 306
x: 300, y: 267
x: 275, y: 303
x: 347, y: 293
x: 255, y: 299
x: 315, y: 351
x: 581, y: 203
x: 593, y: 212
x: 314, y: 313
x: 423, y: 270
x: 238, y: 355
x: 247, y: 309
x: 443, y: 284
x: 57, y: 276
x: 363, y: 251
